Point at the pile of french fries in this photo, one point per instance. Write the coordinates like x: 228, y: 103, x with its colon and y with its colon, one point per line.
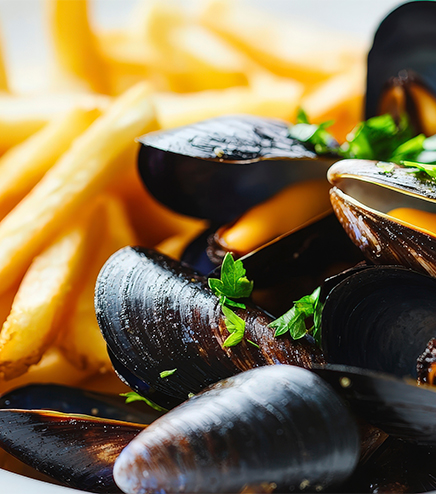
x: 69, y: 191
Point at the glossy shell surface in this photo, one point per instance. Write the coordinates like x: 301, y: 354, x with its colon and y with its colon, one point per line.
x: 219, y: 168
x: 277, y: 426
x: 157, y: 315
x: 362, y: 196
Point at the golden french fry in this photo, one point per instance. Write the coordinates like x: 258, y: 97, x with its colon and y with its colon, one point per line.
x: 268, y: 95
x: 176, y: 245
x: 3, y: 76
x: 53, y: 367
x: 83, y: 171
x: 287, y: 48
x: 81, y: 341
x: 339, y: 99
x: 75, y: 44
x: 25, y: 164
x: 32, y: 324
x: 22, y: 116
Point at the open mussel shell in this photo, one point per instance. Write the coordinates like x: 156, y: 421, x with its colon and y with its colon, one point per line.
x: 280, y: 426
x: 67, y: 399
x: 76, y: 450
x: 404, y: 48
x: 363, y: 195
x: 219, y: 168
x: 157, y: 315
x: 380, y: 318
x: 399, y: 407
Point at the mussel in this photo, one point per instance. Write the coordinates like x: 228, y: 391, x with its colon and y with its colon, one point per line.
x: 219, y: 168
x: 279, y: 426
x: 382, y: 209
x: 157, y: 314
x: 401, y: 75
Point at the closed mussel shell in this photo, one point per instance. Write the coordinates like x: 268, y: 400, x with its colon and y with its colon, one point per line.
x: 280, y: 426
x: 157, y: 315
x: 219, y: 168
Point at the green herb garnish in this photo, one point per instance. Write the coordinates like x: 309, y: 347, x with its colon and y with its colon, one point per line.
x: 316, y: 135
x: 167, y: 373
x: 235, y: 326
x: 429, y: 170
x: 233, y: 282
x: 294, y: 320
x: 132, y: 396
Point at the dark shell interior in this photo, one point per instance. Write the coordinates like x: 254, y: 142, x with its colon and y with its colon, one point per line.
x: 380, y: 318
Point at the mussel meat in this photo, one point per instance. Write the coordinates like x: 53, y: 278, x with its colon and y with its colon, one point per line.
x: 401, y: 75
x: 280, y: 426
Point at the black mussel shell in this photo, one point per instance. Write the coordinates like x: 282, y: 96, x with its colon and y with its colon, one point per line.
x: 399, y: 407
x: 404, y: 48
x: 397, y: 466
x: 68, y: 399
x: 157, y: 315
x: 380, y: 318
x: 280, y: 426
x: 76, y: 450
x: 219, y: 168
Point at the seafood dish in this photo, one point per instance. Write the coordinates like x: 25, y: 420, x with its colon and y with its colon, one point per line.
x: 292, y: 345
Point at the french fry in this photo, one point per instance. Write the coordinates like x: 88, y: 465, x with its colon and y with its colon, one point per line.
x: 53, y: 367
x: 287, y: 48
x: 339, y: 99
x: 81, y: 340
x: 3, y: 76
x: 75, y: 44
x: 268, y: 95
x: 32, y: 324
x: 82, y: 172
x: 25, y: 164
x: 22, y: 116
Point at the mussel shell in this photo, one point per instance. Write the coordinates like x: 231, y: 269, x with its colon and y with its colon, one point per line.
x: 76, y: 450
x: 362, y: 196
x: 380, y: 318
x: 399, y: 407
x: 219, y: 168
x: 277, y: 425
x: 405, y: 40
x: 157, y: 315
x: 67, y: 399
x: 397, y: 466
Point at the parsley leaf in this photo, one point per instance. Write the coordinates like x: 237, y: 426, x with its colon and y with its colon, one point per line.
x: 376, y: 138
x: 167, y: 373
x: 428, y: 169
x: 233, y: 282
x: 235, y: 325
x: 132, y: 396
x: 316, y: 135
x: 294, y: 320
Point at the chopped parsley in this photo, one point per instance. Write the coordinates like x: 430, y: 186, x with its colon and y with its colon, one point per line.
x: 232, y: 284
x: 294, y: 320
x: 378, y: 138
x: 132, y: 396
x: 167, y: 373
x: 429, y: 170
